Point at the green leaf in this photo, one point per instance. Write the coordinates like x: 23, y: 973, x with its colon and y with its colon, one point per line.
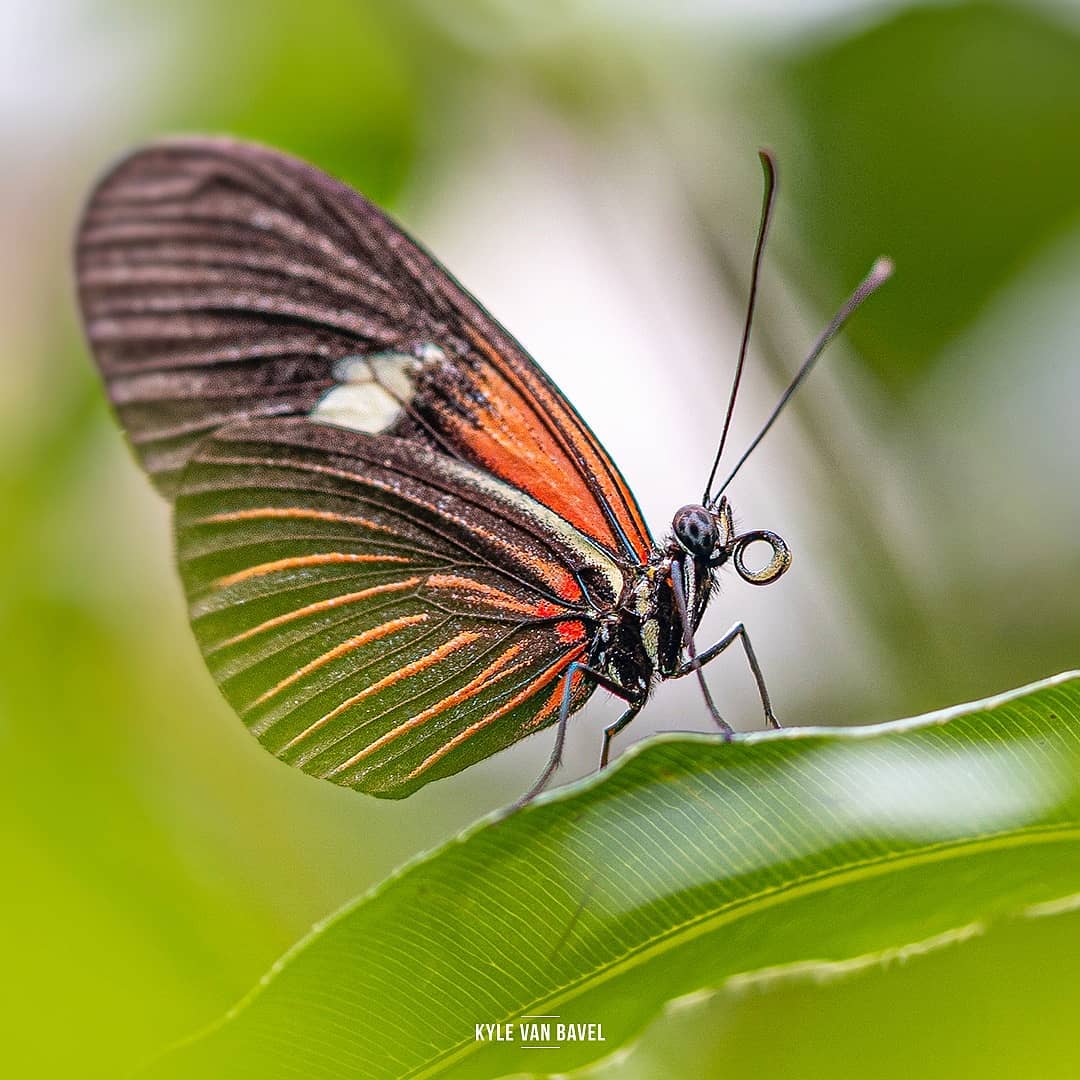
x: 333, y: 81
x: 693, y: 861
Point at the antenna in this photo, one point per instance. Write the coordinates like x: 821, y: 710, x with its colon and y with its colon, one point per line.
x: 768, y: 166
x: 879, y: 273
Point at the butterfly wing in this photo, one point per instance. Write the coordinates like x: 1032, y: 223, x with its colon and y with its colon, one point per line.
x: 379, y: 614
x: 224, y: 281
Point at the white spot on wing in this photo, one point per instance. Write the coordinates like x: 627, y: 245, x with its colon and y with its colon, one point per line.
x: 373, y: 392
x: 363, y: 408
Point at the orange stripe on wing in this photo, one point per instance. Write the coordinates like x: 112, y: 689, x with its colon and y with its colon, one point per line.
x: 304, y: 513
x: 490, y: 674
x: 506, y: 447
x: 316, y: 608
x: 556, y: 577
x: 479, y: 592
x: 600, y: 468
x: 554, y: 701
x: 323, y: 558
x: 572, y: 442
x: 430, y: 660
x: 357, y: 642
x: 538, y: 683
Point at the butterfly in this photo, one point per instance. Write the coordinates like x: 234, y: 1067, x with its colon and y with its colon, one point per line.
x: 403, y: 550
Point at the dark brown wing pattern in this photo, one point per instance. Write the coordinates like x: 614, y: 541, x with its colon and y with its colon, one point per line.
x: 379, y: 614
x: 222, y: 281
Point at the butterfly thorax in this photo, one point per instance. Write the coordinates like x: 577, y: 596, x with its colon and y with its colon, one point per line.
x: 641, y: 639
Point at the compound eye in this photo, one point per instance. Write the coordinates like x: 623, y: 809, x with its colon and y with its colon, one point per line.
x: 695, y: 529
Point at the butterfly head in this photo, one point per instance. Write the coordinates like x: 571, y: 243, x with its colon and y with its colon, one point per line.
x: 699, y: 531
x: 707, y: 534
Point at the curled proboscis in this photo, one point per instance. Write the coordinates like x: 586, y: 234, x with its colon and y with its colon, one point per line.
x: 780, y: 561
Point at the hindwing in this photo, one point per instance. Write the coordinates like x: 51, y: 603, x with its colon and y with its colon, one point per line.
x: 380, y: 614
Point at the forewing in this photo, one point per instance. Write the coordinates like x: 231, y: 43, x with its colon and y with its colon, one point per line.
x: 378, y: 614
x: 223, y: 281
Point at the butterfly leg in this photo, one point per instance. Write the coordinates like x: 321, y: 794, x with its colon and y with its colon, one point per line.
x: 613, y: 729
x: 695, y: 661
x: 555, y: 760
x: 737, y: 631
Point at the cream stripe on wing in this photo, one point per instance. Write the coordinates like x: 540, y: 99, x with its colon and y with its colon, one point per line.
x: 432, y: 658
x: 314, y: 609
x: 323, y: 558
x: 488, y: 675
x: 357, y: 642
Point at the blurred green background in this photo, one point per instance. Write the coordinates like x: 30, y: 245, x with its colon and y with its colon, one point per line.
x: 587, y: 168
